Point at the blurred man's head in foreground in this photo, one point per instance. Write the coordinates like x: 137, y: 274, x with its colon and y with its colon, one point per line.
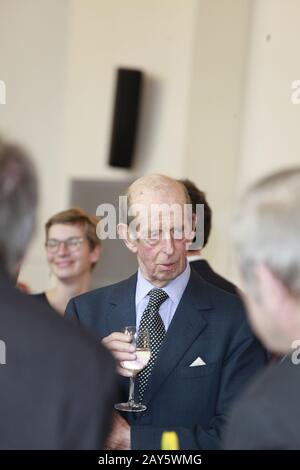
x: 266, y: 233
x: 18, y: 203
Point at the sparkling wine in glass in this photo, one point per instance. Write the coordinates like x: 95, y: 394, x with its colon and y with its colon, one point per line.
x: 141, y: 341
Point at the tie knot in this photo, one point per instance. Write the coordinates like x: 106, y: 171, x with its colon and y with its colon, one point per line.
x: 157, y: 297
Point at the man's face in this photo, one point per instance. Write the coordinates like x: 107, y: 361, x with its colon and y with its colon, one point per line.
x: 260, y: 321
x: 161, y: 246
x: 265, y: 312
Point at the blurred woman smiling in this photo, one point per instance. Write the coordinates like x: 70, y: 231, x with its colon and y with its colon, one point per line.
x: 73, y: 249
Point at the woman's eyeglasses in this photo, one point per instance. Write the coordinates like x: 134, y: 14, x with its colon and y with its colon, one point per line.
x: 72, y: 244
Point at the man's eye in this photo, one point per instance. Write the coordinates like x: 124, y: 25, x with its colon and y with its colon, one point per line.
x: 73, y: 242
x: 178, y: 233
x: 52, y: 243
x: 154, y: 235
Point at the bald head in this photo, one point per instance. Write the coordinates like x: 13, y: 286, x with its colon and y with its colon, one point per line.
x: 156, y: 186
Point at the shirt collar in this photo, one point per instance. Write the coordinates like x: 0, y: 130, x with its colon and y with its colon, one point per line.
x: 192, y: 258
x: 174, y: 288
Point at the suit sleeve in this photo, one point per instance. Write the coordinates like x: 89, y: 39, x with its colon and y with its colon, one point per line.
x: 86, y: 423
x: 244, y: 358
x: 248, y: 429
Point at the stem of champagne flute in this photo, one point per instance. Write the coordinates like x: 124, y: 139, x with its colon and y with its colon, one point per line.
x: 131, y: 390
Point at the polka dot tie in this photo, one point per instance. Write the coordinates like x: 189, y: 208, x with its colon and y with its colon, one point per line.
x: 151, y: 320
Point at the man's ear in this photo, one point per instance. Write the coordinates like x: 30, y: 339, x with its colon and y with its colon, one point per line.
x: 272, y: 290
x: 194, y: 221
x: 277, y: 299
x: 194, y: 226
x: 15, y: 271
x: 190, y: 229
x: 123, y: 233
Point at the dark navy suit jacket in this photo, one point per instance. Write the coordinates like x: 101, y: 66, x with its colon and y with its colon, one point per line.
x: 206, y: 271
x: 267, y: 415
x: 209, y: 323
x: 57, y: 387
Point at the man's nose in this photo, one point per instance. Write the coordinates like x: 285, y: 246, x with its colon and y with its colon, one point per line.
x: 168, y: 246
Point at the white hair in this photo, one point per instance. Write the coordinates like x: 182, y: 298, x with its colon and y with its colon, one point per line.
x: 266, y: 229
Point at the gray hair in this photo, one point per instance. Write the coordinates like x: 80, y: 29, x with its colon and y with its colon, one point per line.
x: 266, y: 229
x: 18, y: 202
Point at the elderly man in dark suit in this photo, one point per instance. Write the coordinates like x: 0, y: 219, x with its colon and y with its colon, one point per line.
x: 266, y: 237
x: 57, y: 384
x: 203, y: 352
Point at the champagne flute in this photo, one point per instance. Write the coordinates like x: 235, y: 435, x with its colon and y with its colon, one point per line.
x: 141, y: 341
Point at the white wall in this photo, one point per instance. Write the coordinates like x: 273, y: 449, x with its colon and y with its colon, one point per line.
x: 216, y: 102
x: 60, y: 72
x: 33, y: 39
x: 220, y: 47
x: 270, y: 137
x: 153, y: 35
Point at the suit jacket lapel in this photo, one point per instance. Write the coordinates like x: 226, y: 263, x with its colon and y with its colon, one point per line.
x: 122, y: 305
x: 188, y: 322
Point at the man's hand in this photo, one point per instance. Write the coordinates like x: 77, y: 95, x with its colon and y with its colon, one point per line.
x: 119, y: 437
x: 119, y: 345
